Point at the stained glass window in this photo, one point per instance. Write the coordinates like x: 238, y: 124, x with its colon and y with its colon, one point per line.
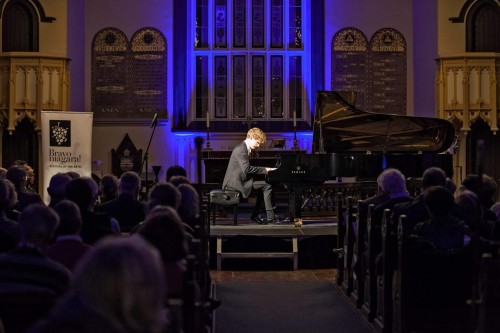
x: 220, y: 20
x: 220, y: 87
x: 239, y: 23
x: 276, y: 86
x: 201, y: 86
x: 239, y: 86
x: 201, y: 24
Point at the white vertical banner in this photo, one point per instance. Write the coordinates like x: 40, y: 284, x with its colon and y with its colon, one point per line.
x: 66, y: 144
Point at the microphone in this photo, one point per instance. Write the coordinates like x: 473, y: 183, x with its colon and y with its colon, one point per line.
x: 155, y: 118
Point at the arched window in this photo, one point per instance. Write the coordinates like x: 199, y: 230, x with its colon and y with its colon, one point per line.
x: 19, y: 27
x: 483, y: 27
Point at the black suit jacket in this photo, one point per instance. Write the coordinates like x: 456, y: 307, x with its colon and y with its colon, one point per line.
x: 126, y: 210
x: 239, y: 171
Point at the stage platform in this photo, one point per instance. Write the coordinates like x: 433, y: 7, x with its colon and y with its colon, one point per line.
x: 225, y: 229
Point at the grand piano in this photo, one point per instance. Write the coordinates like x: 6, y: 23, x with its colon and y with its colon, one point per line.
x: 350, y: 142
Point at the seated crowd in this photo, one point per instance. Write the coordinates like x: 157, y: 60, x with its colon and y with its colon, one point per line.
x: 391, y: 232
x: 109, y: 262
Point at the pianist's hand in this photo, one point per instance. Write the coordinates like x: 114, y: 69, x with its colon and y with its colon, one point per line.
x: 270, y: 169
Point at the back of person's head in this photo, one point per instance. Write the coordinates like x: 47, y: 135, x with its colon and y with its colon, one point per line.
x: 164, y: 194
x: 175, y: 170
x: 488, y: 188
x: 257, y: 134
x: 109, y: 186
x: 123, y: 280
x: 469, y: 206
x: 12, y: 194
x: 472, y: 183
x: 391, y: 181
x: 70, y: 219
x: 495, y: 208
x: 178, y: 180
x: 130, y: 183
x: 439, y: 201
x: 80, y: 192
x: 22, y: 163
x: 73, y: 174
x: 37, y: 224
x: 18, y: 176
x: 164, y: 229
x: 189, y: 209
x: 450, y: 185
x: 3, y: 173
x: 57, y: 185
x: 433, y: 176
x: 483, y: 185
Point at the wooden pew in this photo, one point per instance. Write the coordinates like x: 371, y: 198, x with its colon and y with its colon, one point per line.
x: 349, y: 238
x: 430, y: 289
x: 489, y: 294
x: 359, y: 256
x: 370, y: 276
x: 383, y: 319
x: 341, y: 231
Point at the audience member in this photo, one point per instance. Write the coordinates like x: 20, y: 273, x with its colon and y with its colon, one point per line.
x: 73, y: 174
x: 108, y: 188
x: 394, y: 184
x: 163, y: 228
x: 94, y: 225
x: 471, y: 212
x: 3, y: 173
x: 19, y: 177
x: 495, y: 208
x: 189, y: 208
x: 9, y: 230
x: 26, y: 267
x: 381, y: 196
x: 11, y: 212
x: 119, y: 288
x: 178, y: 180
x: 31, y: 184
x: 164, y: 194
x: 69, y: 247
x: 175, y: 170
x: 443, y: 231
x: 57, y: 188
x: 484, y: 187
x: 126, y: 208
x: 416, y: 210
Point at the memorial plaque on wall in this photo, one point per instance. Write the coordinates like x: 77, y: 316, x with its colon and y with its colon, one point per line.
x: 129, y: 80
x: 109, y: 73
x: 148, y: 66
x: 349, y: 55
x: 387, y: 68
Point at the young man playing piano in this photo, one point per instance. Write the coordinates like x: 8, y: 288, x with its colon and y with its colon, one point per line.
x: 239, y: 176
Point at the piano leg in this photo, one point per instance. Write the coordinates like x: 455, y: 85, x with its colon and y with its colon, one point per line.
x: 295, y: 202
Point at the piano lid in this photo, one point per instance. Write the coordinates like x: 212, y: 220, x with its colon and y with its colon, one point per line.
x: 344, y: 128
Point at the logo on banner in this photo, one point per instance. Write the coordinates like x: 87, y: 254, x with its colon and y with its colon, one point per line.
x: 60, y: 133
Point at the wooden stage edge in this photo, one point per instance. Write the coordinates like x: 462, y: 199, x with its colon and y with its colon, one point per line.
x: 308, y: 229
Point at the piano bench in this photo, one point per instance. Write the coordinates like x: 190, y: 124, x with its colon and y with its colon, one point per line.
x: 221, y: 197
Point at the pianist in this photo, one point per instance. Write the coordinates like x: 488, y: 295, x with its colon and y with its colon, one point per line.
x: 239, y: 176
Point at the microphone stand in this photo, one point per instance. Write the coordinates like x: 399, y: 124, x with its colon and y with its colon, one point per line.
x: 146, y: 154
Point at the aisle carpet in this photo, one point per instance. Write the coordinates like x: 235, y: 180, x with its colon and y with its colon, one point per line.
x: 284, y: 306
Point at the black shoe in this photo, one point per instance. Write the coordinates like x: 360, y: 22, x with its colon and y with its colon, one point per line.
x: 258, y: 219
x: 277, y: 220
